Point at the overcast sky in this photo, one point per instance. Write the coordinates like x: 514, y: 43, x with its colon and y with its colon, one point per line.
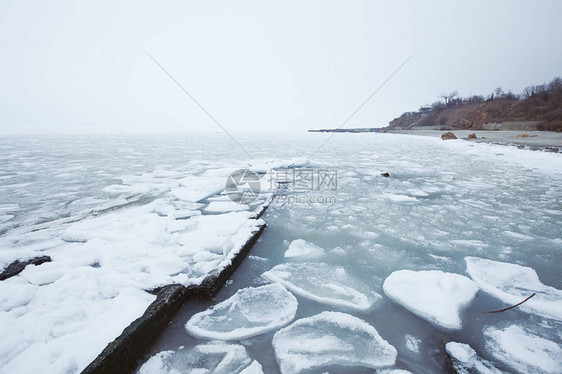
x: 257, y: 65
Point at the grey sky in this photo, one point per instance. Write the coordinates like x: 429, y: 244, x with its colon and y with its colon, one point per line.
x: 260, y: 66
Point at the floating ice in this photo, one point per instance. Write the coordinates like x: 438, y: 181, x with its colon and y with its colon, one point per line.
x: 413, y: 343
x: 326, y: 284
x: 330, y: 338
x: 433, y: 295
x: 302, y: 249
x: 523, y: 350
x: 249, y: 312
x: 466, y: 361
x: 225, y: 206
x: 398, y: 198
x: 213, y: 357
x: 513, y: 283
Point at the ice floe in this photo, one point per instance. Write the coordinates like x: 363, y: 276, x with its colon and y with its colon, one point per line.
x: 331, y: 338
x: 466, y: 361
x: 326, y: 284
x: 523, y: 350
x: 513, y: 283
x: 302, y: 249
x: 435, y: 296
x: 214, y: 357
x: 249, y: 312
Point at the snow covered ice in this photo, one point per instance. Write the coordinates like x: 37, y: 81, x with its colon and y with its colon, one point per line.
x: 250, y: 312
x: 523, y: 350
x: 330, y: 338
x: 213, y: 358
x: 327, y: 284
x: 302, y: 249
x: 433, y: 295
x: 122, y: 215
x: 466, y: 361
x: 513, y: 283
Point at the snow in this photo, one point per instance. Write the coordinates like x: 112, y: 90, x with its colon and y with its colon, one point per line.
x: 413, y: 343
x: 139, y: 212
x: 513, y: 283
x: 523, y: 350
x: 302, y: 249
x: 225, y: 206
x: 330, y: 338
x: 214, y: 357
x: 466, y: 361
x: 435, y: 296
x: 399, y: 198
x: 326, y: 284
x: 249, y: 312
x: 105, y: 256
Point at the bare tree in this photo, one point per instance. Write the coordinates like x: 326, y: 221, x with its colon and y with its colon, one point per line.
x: 449, y: 97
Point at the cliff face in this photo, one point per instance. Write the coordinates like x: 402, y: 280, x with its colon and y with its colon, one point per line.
x: 541, y: 110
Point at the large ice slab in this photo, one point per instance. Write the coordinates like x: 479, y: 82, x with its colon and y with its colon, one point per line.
x: 214, y: 357
x: 523, y: 350
x: 513, y: 283
x: 466, y: 361
x: 330, y: 338
x: 249, y: 312
x: 435, y: 296
x: 301, y: 249
x: 326, y: 284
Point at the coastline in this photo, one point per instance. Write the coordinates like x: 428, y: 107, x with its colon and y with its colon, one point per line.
x: 546, y: 141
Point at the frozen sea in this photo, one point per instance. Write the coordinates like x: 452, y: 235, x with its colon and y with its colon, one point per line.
x: 463, y: 228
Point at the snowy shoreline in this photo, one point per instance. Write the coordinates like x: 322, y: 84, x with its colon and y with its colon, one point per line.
x: 543, y: 141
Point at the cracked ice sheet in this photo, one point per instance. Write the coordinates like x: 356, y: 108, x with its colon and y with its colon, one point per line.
x: 95, y: 285
x: 214, y: 357
x: 524, y: 350
x: 330, y: 338
x: 513, y: 283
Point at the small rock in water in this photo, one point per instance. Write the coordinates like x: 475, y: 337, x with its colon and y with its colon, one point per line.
x: 249, y: 312
x: 330, y: 338
x: 386, y: 175
x: 448, y: 136
x: 472, y: 136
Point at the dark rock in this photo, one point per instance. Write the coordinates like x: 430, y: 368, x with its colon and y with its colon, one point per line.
x: 386, y: 175
x: 448, y: 136
x: 472, y: 136
x: 17, y: 266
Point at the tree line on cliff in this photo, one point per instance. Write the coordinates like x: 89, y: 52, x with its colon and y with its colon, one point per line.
x: 536, y: 108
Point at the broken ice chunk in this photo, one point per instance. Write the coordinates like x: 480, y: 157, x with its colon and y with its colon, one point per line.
x: 326, y: 284
x: 513, y: 283
x: 433, y: 295
x: 523, y: 350
x: 303, y: 249
x: 214, y: 357
x: 466, y: 361
x: 330, y: 338
x: 249, y: 312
